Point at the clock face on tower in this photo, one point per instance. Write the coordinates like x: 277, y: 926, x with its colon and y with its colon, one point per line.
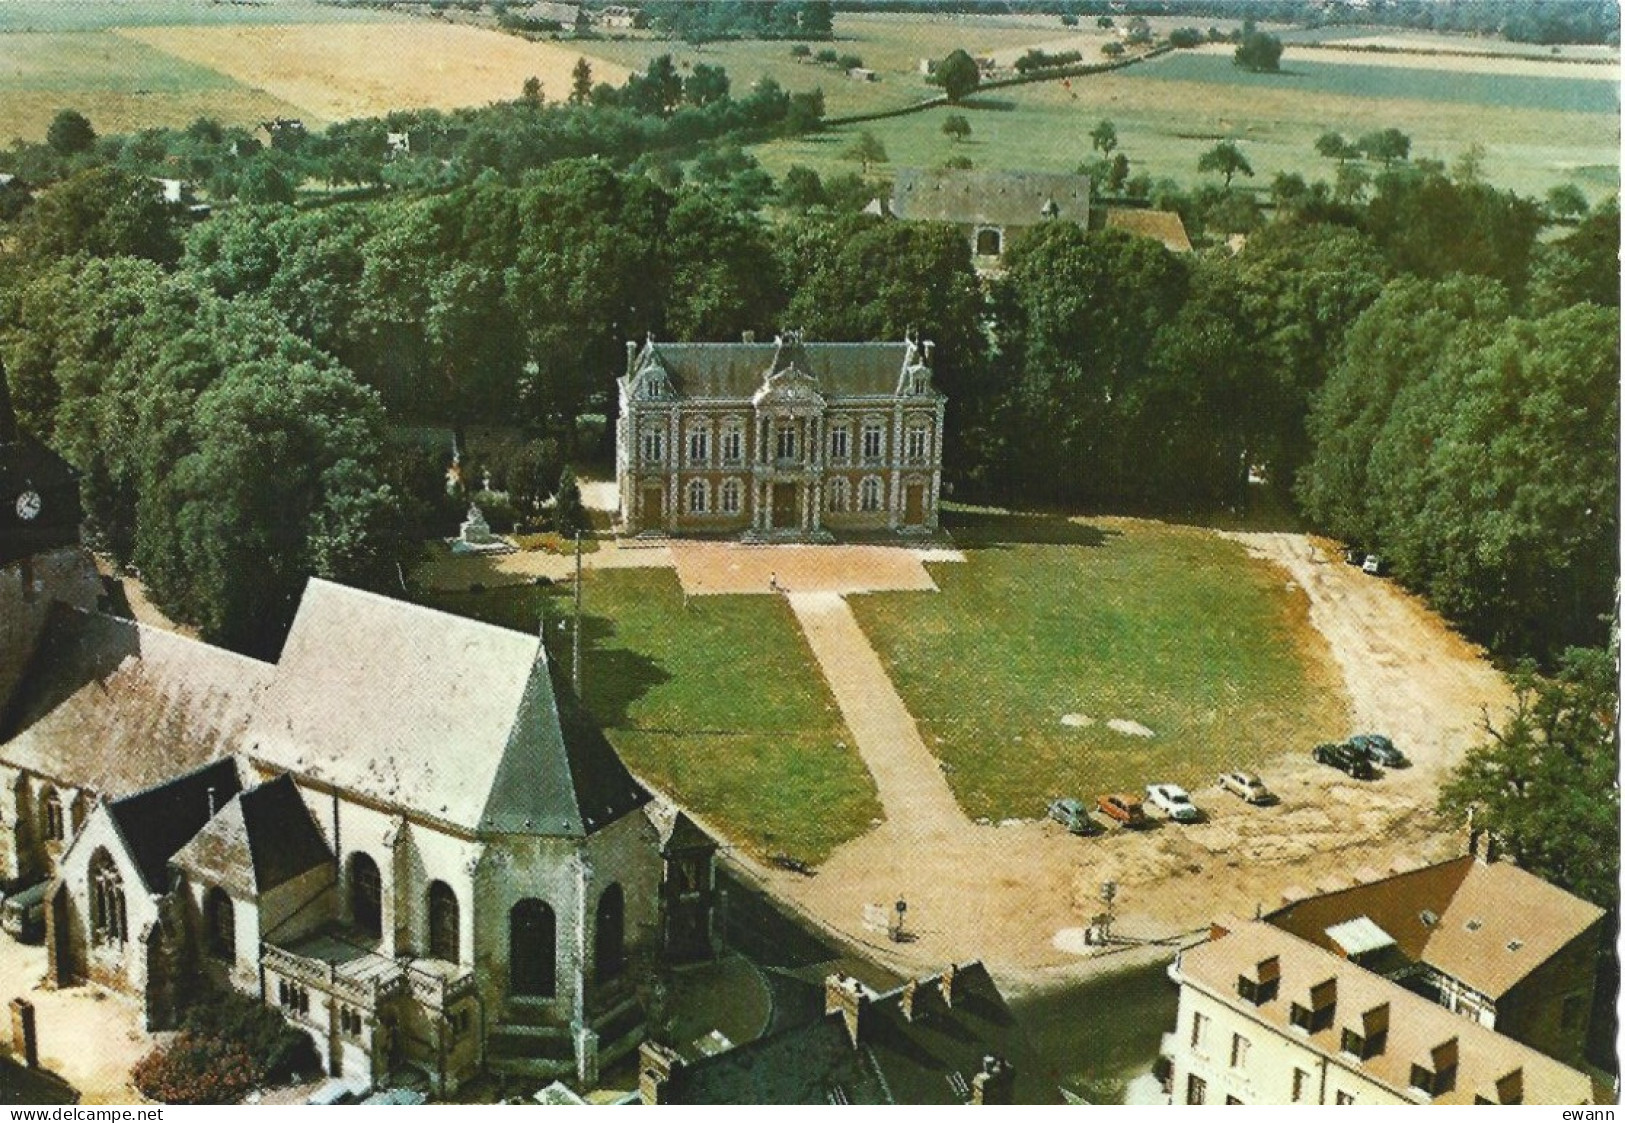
x: 28, y: 505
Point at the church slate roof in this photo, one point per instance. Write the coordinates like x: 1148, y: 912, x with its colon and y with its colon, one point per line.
x: 1010, y: 199
x: 115, y: 706
x: 737, y: 370
x: 456, y: 720
x: 157, y: 822
x: 262, y: 838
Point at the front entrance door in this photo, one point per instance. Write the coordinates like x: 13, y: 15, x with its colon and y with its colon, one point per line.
x: 914, y: 505
x: 654, y: 507
x: 785, y: 512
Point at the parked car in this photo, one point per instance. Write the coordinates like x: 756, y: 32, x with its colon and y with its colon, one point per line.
x: 22, y: 915
x: 1122, y: 807
x: 1173, y: 801
x: 1354, y: 555
x: 1345, y: 758
x: 1378, y: 749
x: 1073, y: 815
x: 1247, y: 785
x: 1375, y: 565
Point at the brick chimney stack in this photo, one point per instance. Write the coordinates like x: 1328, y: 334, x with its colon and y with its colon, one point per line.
x: 631, y: 354
x: 851, y: 998
x: 995, y: 1085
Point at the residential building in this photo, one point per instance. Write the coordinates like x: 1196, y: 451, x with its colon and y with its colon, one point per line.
x: 1486, y: 940
x: 779, y: 440
x: 946, y: 1039
x: 1268, y: 1018
x: 990, y: 208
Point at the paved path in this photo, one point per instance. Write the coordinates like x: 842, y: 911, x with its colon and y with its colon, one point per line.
x: 916, y: 797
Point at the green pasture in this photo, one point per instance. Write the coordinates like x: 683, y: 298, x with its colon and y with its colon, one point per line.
x: 98, y: 15
x: 715, y: 699
x: 92, y: 62
x: 1169, y: 111
x: 1170, y: 627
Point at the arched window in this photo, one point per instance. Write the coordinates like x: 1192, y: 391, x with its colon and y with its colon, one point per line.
x: 220, y: 922
x: 366, y: 895
x: 919, y: 442
x: 730, y: 497
x: 699, y: 447
x: 696, y: 497
x: 108, y: 925
x: 51, y: 815
x: 609, y: 940
x: 840, y: 443
x: 733, y: 443
x: 839, y: 495
x: 869, y: 493
x: 443, y: 931
x: 652, y: 451
x: 532, y: 949
x: 989, y: 243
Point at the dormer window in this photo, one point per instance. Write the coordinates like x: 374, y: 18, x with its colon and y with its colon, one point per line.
x: 1320, y: 1011
x: 1439, y: 1076
x: 1263, y: 985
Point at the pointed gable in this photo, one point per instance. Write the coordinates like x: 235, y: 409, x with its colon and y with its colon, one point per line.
x: 259, y: 840
x: 437, y: 715
x: 156, y: 823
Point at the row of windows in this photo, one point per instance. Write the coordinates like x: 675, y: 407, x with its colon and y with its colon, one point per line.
x: 1240, y: 1047
x: 293, y: 997
x: 917, y: 444
x: 367, y: 908
x: 53, y: 818
x: 839, y: 496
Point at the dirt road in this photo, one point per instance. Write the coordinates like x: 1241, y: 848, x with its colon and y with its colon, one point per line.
x: 1019, y: 894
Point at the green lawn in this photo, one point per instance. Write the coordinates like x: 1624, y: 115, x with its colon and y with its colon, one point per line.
x: 718, y: 702
x: 1170, y: 627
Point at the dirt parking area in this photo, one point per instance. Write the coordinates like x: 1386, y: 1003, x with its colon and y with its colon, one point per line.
x: 1018, y: 894
x: 87, y: 1036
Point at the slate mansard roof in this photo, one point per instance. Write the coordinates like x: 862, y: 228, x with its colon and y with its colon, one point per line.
x: 1012, y: 199
x: 116, y: 707
x: 459, y: 721
x: 737, y: 371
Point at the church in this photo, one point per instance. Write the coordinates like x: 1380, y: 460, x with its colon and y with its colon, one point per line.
x: 781, y: 441
x: 405, y: 834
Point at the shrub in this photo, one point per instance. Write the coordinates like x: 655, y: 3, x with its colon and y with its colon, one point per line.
x: 278, y: 1051
x: 195, y: 1069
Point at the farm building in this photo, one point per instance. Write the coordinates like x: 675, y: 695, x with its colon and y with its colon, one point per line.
x: 990, y: 207
x: 782, y: 440
x: 1161, y: 226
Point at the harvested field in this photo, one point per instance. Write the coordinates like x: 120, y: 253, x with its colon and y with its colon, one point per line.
x: 338, y: 71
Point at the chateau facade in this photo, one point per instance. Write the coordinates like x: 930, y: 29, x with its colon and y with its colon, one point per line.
x: 782, y: 440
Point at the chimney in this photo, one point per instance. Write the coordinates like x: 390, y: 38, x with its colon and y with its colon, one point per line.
x: 631, y: 354
x: 905, y: 1001
x: 656, y: 1064
x: 747, y: 337
x: 930, y: 348
x: 850, y: 998
x: 995, y: 1085
x: 211, y: 801
x: 24, y: 1034
x: 947, y: 984
x: 1217, y: 931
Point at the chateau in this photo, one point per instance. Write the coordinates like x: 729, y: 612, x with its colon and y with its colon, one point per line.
x: 783, y: 440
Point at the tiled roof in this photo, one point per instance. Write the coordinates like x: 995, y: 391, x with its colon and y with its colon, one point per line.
x: 157, y: 822
x: 454, y: 719
x: 259, y: 840
x: 1163, y: 226
x: 1415, y: 1026
x: 737, y: 370
x: 115, y: 706
x: 1009, y: 199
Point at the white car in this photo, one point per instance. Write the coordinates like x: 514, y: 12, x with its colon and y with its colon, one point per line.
x: 1247, y: 785
x: 1173, y: 801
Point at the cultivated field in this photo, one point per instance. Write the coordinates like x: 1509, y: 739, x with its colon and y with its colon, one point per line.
x: 1101, y: 655
x: 714, y: 699
x: 337, y: 71
x: 1540, y: 123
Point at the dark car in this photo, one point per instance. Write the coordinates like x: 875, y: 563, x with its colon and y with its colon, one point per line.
x: 1378, y: 749
x: 22, y: 915
x: 1345, y: 758
x: 1072, y: 815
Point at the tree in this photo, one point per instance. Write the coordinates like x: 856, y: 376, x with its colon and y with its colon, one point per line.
x: 1566, y: 201
x: 70, y: 133
x: 1334, y: 146
x: 1581, y: 267
x: 581, y: 82
x: 705, y: 85
x: 569, y: 515
x: 1543, y: 786
x: 1469, y: 166
x: 531, y: 92
x: 1387, y: 145
x: 801, y: 188
x: 866, y: 149
x: 1226, y: 159
x: 1113, y: 50
x: 1103, y: 138
x: 958, y: 75
x: 102, y: 212
x: 955, y: 127
x: 1259, y: 52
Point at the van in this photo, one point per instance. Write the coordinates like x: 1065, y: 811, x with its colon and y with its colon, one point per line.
x: 22, y: 914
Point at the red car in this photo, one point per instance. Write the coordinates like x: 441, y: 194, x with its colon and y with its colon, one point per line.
x: 1122, y: 807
